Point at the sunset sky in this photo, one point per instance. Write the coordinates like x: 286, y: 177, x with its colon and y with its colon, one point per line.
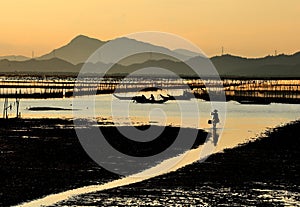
x: 250, y: 28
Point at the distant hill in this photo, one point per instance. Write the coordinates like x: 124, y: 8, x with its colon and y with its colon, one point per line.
x: 273, y: 66
x: 281, y: 66
x: 82, y: 47
x: 53, y: 65
x: 227, y: 66
x: 71, y: 57
x: 76, y: 51
x: 142, y: 52
x: 14, y: 58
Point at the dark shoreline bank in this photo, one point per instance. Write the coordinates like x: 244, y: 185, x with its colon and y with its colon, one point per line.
x: 43, y: 156
x: 263, y: 172
x: 40, y: 157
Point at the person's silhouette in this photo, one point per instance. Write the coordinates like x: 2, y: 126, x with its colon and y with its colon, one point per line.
x: 215, y: 118
x: 152, y: 97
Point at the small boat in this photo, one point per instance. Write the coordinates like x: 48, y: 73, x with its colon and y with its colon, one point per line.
x: 124, y: 97
x: 142, y: 99
x: 46, y: 108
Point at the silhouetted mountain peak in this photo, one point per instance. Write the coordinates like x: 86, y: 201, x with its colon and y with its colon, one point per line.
x: 81, y: 36
x: 80, y: 48
x: 76, y: 51
x: 84, y: 39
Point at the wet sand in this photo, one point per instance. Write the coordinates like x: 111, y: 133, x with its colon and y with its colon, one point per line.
x: 40, y: 157
x: 263, y: 172
x: 43, y: 156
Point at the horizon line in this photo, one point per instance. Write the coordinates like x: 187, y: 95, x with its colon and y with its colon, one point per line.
x: 217, y: 54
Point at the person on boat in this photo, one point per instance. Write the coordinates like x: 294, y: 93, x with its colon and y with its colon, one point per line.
x: 215, y: 118
x: 152, y: 98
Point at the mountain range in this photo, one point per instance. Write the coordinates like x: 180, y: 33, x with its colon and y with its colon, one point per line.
x: 71, y: 57
x: 14, y: 58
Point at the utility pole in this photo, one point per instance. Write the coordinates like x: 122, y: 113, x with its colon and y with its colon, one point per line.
x: 222, y: 50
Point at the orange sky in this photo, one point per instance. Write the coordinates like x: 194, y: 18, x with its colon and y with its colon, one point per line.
x: 247, y: 28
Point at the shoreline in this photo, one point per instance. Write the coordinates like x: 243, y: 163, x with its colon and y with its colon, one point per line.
x: 43, y: 156
x: 36, y: 154
x: 262, y: 172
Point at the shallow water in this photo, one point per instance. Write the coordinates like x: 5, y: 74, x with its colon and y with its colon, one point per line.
x: 241, y: 123
x: 238, y: 122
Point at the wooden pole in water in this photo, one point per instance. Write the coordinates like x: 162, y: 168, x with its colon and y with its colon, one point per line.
x: 4, y: 106
x: 17, y: 103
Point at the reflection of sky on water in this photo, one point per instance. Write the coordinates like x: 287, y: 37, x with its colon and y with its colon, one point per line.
x: 242, y: 123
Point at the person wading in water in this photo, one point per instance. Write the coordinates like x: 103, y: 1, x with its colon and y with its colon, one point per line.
x: 215, y: 118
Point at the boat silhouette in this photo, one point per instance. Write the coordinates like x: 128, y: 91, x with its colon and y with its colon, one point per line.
x: 143, y: 99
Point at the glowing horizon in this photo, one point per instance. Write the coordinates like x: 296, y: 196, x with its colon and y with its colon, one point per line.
x: 244, y: 28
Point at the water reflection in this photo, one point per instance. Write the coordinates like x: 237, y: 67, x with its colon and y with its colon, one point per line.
x: 242, y: 122
x: 215, y: 136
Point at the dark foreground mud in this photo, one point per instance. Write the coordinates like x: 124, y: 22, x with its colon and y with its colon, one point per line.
x: 264, y: 172
x: 43, y: 156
